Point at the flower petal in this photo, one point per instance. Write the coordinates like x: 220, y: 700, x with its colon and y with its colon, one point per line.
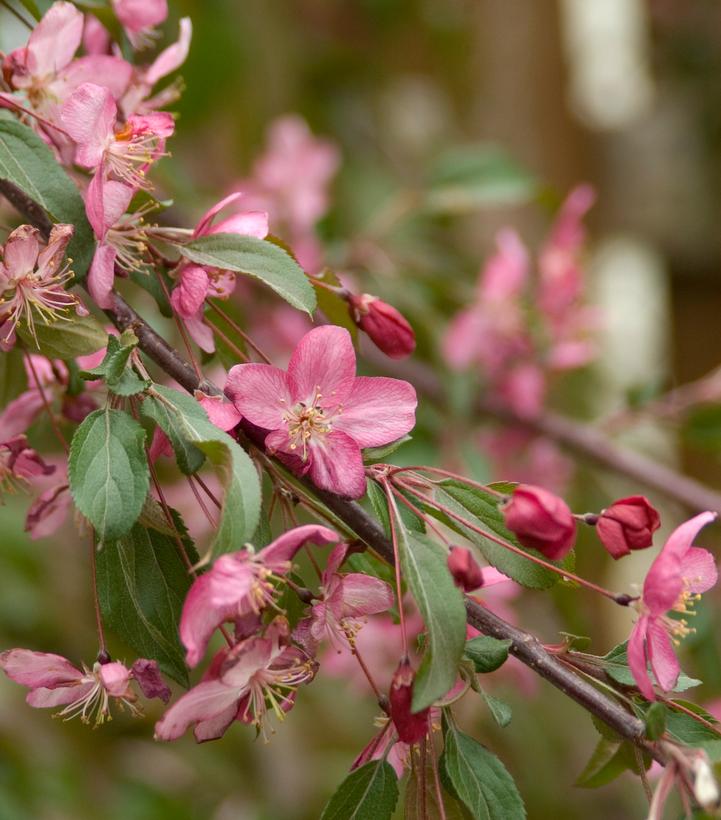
x: 173, y: 56
x: 204, y: 224
x: 698, y: 569
x: 636, y: 653
x: 261, y: 393
x: 287, y: 545
x: 377, y: 411
x: 217, y: 726
x: 102, y: 276
x: 206, y: 701
x: 364, y: 595
x: 681, y: 539
x: 38, y: 669
x: 43, y: 698
x: 105, y: 70
x: 89, y: 115
x: 247, y: 223
x: 220, y: 411
x: 336, y: 465
x: 55, y: 39
x: 189, y: 294
x: 323, y: 361
x: 21, y: 251
x: 662, y: 656
x: 115, y: 678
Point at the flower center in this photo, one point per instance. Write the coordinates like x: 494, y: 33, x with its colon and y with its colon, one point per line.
x: 307, y: 422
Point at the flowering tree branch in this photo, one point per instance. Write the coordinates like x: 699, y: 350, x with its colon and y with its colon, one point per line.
x: 525, y: 646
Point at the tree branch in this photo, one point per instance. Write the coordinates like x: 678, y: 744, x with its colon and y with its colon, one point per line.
x: 524, y: 646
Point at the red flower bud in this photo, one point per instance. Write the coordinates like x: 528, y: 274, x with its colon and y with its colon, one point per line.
x: 464, y: 569
x: 411, y: 728
x: 541, y: 521
x: 628, y: 524
x: 386, y: 326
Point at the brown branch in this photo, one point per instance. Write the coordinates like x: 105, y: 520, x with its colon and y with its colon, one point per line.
x: 524, y: 646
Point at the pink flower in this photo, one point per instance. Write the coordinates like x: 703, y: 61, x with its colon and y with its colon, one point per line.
x: 32, y: 279
x: 386, y: 326
x: 467, y: 575
x: 628, y: 524
x: 86, y: 693
x: 319, y: 414
x: 675, y: 581
x: 20, y: 463
x: 49, y: 511
x: 242, y: 683
x: 90, y: 116
x: 411, y: 727
x: 240, y: 583
x: 139, y: 17
x: 343, y: 603
x: 47, y: 73
x: 196, y: 283
x: 540, y: 520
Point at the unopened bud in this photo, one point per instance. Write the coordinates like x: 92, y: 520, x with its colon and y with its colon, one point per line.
x: 386, y: 326
x: 411, y: 727
x: 541, y: 521
x: 628, y: 524
x: 464, y: 569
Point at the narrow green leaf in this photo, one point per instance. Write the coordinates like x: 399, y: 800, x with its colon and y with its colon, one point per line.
x: 142, y: 583
x: 379, y: 504
x: 479, y: 778
x: 108, y: 471
x: 64, y: 338
x: 258, y: 258
x: 610, y: 759
x: 28, y: 163
x: 487, y: 653
x: 368, y: 793
x: 690, y: 732
x: 481, y: 509
x: 499, y: 709
x: 187, y: 426
x: 371, y: 455
x: 425, y: 569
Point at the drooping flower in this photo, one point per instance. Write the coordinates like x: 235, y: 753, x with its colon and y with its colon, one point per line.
x: 240, y: 583
x: 257, y: 676
x: 675, y: 581
x: 387, y: 327
x: 344, y: 601
x: 540, y: 520
x: 32, y: 279
x: 122, y: 151
x: 628, y: 524
x: 19, y: 463
x: 318, y: 414
x: 54, y: 681
x: 196, y: 283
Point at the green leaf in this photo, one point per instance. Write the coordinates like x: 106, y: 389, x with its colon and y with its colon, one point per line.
x: 686, y: 730
x: 13, y: 378
x: 615, y: 664
x: 371, y: 455
x: 254, y: 257
x: 119, y: 378
x: 333, y: 306
x: 610, y: 759
x: 425, y: 570
x: 481, y: 509
x: 108, y: 471
x: 379, y: 503
x: 368, y: 793
x: 499, y: 709
x: 32, y: 7
x: 187, y: 426
x: 475, y: 176
x: 421, y: 798
x: 142, y: 583
x: 65, y: 338
x: 655, y: 721
x: 487, y: 653
x: 479, y: 778
x: 28, y: 163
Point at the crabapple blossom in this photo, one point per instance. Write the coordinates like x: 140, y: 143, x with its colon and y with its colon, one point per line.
x: 386, y: 326
x: 240, y: 583
x: 318, y: 414
x: 139, y: 18
x: 54, y: 681
x: 675, y: 581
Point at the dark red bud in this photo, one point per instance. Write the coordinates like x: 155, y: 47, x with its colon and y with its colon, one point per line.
x: 628, y: 524
x: 387, y: 327
x: 464, y: 569
x: 541, y: 521
x: 411, y: 728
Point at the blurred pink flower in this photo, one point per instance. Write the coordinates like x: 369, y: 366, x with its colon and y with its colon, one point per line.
x: 139, y: 18
x: 675, y: 581
x: 20, y: 463
x: 319, y: 414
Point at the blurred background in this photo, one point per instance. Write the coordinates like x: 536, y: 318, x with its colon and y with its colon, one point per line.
x: 542, y: 95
